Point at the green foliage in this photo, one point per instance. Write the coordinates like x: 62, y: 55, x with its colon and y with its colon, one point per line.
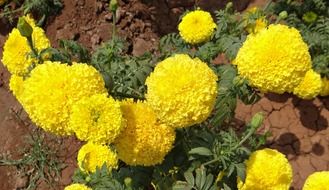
x: 40, y: 8
x: 124, y: 75
x: 311, y: 18
x: 172, y: 44
x: 200, y: 181
x: 102, y: 179
x: 68, y: 52
x: 39, y: 162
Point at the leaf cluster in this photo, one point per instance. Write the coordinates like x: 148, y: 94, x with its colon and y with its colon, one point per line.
x: 124, y: 75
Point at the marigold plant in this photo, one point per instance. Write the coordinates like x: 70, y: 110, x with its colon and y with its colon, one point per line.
x: 52, y: 89
x: 144, y: 141
x: 275, y: 59
x: 92, y: 156
x: 310, y: 86
x: 182, y: 91
x: 317, y: 181
x: 16, y: 50
x: 267, y: 169
x: 196, y: 27
x: 97, y: 119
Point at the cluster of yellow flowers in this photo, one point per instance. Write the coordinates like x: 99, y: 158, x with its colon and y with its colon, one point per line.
x: 92, y: 155
x: 317, y: 181
x: 16, y: 50
x: 51, y: 90
x: 196, y: 27
x: 77, y: 186
x: 283, y: 66
x: 267, y: 169
x: 144, y: 141
x: 182, y: 91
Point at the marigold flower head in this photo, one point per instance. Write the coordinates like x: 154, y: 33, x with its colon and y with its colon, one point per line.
x: 144, y: 141
x: 16, y: 49
x: 77, y: 186
x: 53, y: 88
x: 182, y: 91
x: 97, y: 118
x: 317, y: 181
x: 275, y: 59
x: 325, y: 87
x: 16, y: 85
x: 197, y: 27
x: 267, y: 169
x: 92, y: 156
x: 310, y: 86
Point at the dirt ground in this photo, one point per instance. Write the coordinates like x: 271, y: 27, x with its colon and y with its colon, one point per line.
x: 299, y: 128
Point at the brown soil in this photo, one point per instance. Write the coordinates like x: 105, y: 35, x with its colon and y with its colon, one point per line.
x: 299, y: 128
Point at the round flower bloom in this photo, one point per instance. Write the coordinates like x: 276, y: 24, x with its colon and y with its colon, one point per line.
x: 97, y: 119
x: 267, y: 169
x: 325, y: 87
x: 16, y: 85
x: 16, y: 49
x: 196, y: 27
x: 317, y: 181
x: 182, y: 91
x: 92, y: 156
x: 53, y: 88
x: 275, y: 59
x: 310, y: 86
x: 144, y: 141
x: 77, y: 186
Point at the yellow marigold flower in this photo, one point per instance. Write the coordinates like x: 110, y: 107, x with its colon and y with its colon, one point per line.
x: 77, y: 186
x: 144, y: 141
x: 275, y: 59
x: 97, y: 119
x: 317, y: 181
x: 182, y: 91
x: 196, y: 27
x: 310, y: 86
x: 325, y: 87
x: 53, y: 88
x: 267, y: 169
x: 259, y: 25
x: 16, y: 49
x: 92, y: 156
x: 16, y: 85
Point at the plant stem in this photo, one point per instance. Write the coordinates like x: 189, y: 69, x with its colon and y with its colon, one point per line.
x: 267, y: 5
x: 114, y: 21
x: 11, y: 12
x: 245, y: 138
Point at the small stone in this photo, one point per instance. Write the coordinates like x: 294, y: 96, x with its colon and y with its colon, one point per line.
x: 141, y: 46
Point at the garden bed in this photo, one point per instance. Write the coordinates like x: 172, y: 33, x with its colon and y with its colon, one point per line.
x: 299, y: 127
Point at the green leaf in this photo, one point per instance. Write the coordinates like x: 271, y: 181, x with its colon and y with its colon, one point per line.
x: 201, y: 151
x: 189, y: 178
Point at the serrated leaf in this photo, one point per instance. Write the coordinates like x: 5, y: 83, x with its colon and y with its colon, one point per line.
x: 203, y: 151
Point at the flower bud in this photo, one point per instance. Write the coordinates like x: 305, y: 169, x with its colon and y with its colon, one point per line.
x: 257, y: 120
x: 113, y: 5
x: 24, y: 27
x: 283, y: 15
